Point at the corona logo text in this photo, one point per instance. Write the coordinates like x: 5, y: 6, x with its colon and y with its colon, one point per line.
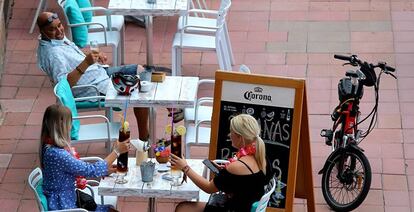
x: 257, y: 95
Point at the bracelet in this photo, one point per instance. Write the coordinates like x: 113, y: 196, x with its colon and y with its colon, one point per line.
x: 116, y: 152
x: 79, y: 70
x: 186, y: 169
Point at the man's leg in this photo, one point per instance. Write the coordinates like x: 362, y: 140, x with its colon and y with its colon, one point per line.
x: 138, y: 20
x: 131, y: 69
x: 142, y: 115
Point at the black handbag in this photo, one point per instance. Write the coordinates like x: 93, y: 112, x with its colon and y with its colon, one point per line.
x: 217, y: 203
x: 85, y: 201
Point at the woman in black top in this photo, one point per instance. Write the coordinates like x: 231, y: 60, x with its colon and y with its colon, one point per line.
x: 243, y: 179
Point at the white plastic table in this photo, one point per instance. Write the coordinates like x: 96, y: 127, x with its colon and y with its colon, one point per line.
x: 143, y: 8
x: 174, y: 92
x: 159, y: 188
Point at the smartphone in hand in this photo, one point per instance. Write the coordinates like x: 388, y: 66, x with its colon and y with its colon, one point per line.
x: 211, y: 166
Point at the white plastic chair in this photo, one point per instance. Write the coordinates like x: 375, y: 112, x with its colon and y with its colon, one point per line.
x: 202, y: 109
x: 41, y: 7
x: 197, y: 135
x: 92, y: 103
x: 198, y: 4
x: 110, y: 23
x: 93, y: 185
x: 116, y: 22
x: 201, y: 17
x: 198, y: 118
x: 36, y: 176
x: 105, y: 131
x: 262, y: 204
x: 217, y: 43
x: 103, y: 36
x: 34, y: 179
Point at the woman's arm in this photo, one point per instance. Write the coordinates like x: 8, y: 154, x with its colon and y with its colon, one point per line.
x: 205, y: 185
x: 77, y: 167
x: 201, y: 182
x: 72, y: 165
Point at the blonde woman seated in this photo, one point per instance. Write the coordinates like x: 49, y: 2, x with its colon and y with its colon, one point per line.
x: 243, y: 179
x: 59, y: 164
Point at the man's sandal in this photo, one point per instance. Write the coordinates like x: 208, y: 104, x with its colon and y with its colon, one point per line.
x: 178, y: 115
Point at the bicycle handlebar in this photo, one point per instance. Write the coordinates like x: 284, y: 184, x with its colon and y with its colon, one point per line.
x: 385, y: 67
x: 342, y: 57
x: 353, y: 60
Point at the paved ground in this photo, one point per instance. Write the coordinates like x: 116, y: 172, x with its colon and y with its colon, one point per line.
x: 277, y: 37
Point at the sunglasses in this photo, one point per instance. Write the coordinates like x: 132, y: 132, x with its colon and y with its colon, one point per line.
x: 50, y: 20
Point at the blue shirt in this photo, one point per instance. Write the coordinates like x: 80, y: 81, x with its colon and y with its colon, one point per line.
x: 60, y: 169
x: 57, y: 58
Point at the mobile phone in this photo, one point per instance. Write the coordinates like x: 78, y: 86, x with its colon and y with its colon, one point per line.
x: 211, y: 166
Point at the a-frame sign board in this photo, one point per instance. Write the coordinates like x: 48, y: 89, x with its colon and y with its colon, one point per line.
x: 279, y: 105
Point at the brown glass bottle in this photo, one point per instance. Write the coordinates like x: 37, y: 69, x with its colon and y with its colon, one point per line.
x: 122, y: 161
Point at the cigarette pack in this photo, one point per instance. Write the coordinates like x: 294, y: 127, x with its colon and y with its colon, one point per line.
x: 157, y: 76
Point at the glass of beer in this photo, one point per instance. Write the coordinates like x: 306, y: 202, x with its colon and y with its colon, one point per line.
x: 122, y: 161
x: 176, y: 147
x: 94, y: 46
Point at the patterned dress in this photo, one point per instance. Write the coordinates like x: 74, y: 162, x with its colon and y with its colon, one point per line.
x: 60, y: 169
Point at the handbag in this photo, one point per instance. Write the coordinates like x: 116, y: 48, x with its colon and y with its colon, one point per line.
x: 217, y: 202
x: 85, y: 201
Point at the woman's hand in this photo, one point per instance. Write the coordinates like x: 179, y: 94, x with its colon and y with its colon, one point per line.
x: 219, y: 166
x: 176, y: 162
x: 122, y: 147
x: 112, y: 169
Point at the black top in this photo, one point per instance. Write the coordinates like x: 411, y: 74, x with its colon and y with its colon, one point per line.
x: 243, y: 189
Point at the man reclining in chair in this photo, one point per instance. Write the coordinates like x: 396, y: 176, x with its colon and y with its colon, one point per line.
x: 60, y: 58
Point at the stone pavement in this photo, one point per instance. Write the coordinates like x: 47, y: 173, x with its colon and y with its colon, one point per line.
x: 295, y: 38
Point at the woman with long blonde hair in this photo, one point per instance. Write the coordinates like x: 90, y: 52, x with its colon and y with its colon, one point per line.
x: 243, y: 179
x: 60, y: 166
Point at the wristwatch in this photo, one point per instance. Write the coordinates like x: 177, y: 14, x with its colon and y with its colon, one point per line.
x: 79, y: 70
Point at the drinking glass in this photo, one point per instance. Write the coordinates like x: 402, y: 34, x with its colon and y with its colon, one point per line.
x: 94, y: 47
x: 176, y: 146
x: 175, y: 175
x: 120, y: 179
x: 122, y: 161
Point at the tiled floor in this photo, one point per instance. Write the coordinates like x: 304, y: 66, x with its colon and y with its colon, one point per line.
x: 276, y: 37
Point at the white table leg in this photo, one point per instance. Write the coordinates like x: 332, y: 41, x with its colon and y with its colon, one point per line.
x: 148, y: 29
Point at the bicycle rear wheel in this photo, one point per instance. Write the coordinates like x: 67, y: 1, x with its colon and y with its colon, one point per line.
x: 347, y: 190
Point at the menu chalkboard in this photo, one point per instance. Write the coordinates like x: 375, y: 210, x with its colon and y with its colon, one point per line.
x: 276, y: 105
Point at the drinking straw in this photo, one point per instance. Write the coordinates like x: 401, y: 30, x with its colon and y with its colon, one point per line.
x: 125, y: 111
x: 172, y: 122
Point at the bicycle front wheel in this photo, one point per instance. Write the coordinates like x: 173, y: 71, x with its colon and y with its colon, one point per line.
x: 347, y: 180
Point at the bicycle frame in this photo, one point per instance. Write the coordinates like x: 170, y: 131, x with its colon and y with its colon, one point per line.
x: 348, y: 120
